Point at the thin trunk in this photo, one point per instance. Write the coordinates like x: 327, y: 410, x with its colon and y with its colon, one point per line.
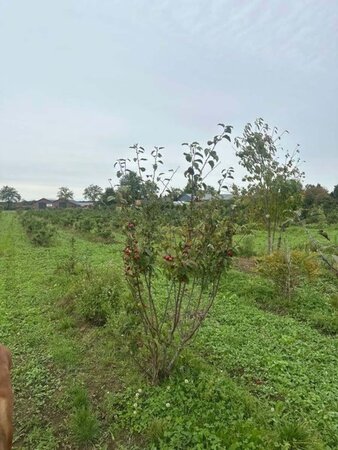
x: 270, y: 243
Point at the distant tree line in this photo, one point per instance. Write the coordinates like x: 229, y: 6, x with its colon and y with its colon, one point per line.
x: 273, y: 185
x: 316, y: 203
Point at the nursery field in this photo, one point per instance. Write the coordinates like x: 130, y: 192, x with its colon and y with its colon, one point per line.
x: 260, y: 374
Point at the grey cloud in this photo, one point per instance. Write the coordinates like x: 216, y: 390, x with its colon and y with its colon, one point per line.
x: 81, y: 81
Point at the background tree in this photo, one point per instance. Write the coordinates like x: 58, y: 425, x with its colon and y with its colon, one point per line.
x: 314, y: 195
x: 64, y: 193
x: 9, y: 195
x: 93, y: 193
x: 273, y: 186
x: 318, y: 205
x: 334, y: 193
x: 108, y: 198
x: 131, y: 187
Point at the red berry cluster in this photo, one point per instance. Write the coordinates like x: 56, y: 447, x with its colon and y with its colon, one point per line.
x: 131, y: 253
x: 168, y: 258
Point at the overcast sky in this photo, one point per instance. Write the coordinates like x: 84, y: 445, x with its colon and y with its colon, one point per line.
x: 82, y: 80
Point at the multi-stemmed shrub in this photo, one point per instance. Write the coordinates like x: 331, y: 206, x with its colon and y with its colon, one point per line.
x: 174, y: 270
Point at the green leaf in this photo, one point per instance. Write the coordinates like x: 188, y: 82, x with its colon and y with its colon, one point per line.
x: 189, y: 171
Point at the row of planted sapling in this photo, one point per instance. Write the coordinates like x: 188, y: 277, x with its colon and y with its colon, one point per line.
x: 100, y: 223
x: 38, y: 229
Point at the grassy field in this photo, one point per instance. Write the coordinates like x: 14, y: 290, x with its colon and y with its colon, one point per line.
x: 295, y: 237
x: 261, y: 374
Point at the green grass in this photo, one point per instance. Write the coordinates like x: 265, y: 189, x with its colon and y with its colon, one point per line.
x: 313, y: 302
x: 261, y: 374
x: 277, y: 358
x: 47, y: 354
x: 294, y: 237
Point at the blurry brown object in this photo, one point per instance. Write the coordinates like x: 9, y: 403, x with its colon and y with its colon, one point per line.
x: 6, y: 400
